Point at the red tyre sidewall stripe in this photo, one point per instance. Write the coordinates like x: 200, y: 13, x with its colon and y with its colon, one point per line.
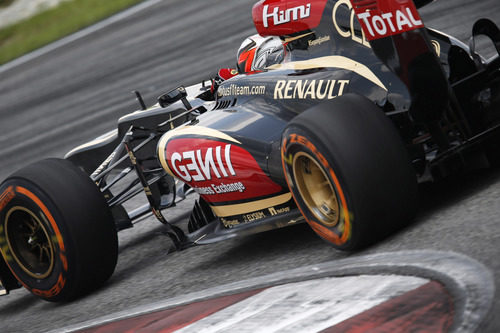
x: 47, y: 213
x: 317, y: 227
x: 61, y: 281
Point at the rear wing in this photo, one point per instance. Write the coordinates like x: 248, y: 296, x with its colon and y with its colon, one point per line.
x: 397, y: 36
x: 380, y: 19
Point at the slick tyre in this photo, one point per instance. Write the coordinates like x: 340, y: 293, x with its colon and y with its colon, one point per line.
x: 492, y: 150
x: 349, y: 172
x: 56, y: 231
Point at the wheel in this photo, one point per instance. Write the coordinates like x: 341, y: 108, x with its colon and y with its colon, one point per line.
x: 349, y: 172
x: 56, y: 231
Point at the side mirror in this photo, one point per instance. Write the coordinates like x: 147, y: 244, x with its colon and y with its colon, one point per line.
x: 172, y: 96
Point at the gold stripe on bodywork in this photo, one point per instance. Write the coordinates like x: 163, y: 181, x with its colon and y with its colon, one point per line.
x: 186, y: 130
x: 238, y: 209
x: 291, y: 39
x: 333, y: 62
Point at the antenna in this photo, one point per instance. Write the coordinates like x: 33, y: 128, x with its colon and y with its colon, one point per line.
x: 139, y: 98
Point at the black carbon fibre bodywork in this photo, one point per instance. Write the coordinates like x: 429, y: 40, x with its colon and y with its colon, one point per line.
x: 223, y: 140
x: 426, y: 82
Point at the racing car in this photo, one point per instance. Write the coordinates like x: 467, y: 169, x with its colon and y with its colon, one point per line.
x: 364, y: 104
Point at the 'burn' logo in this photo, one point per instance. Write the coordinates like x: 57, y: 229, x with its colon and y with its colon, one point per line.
x: 193, y: 165
x: 284, y: 16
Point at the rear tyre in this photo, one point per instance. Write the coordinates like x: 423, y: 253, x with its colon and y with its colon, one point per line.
x: 56, y: 231
x: 349, y: 172
x: 492, y: 150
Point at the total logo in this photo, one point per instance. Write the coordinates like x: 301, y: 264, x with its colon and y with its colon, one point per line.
x: 389, y: 23
x: 284, y: 16
x: 194, y: 165
x: 379, y: 23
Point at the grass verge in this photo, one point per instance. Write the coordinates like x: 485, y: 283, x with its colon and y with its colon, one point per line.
x: 55, y: 23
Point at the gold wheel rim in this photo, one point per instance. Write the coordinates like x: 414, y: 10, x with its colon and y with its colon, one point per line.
x: 29, y: 242
x: 316, y: 189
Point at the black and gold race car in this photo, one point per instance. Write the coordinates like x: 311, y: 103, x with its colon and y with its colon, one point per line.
x: 361, y: 104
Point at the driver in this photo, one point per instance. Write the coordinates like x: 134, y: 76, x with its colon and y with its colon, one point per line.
x: 255, y: 54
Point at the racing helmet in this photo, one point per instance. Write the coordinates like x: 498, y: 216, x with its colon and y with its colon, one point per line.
x: 257, y: 52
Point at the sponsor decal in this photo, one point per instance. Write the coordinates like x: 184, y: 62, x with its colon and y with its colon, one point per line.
x: 309, y: 89
x: 227, y: 188
x: 319, y: 41
x: 254, y: 216
x: 219, y: 171
x: 205, y: 190
x: 437, y: 47
x: 277, y: 211
x: 235, y: 90
x: 196, y: 166
x: 357, y: 35
x: 279, y: 16
x: 219, y: 189
x: 229, y: 223
x: 235, y: 210
x: 381, y: 20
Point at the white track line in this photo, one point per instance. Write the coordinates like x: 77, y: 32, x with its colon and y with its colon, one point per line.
x: 77, y: 35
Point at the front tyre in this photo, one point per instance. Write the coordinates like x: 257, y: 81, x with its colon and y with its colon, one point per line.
x: 56, y: 231
x: 349, y: 172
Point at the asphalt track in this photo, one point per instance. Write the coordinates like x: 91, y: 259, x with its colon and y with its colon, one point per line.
x: 76, y: 92
x: 444, y: 292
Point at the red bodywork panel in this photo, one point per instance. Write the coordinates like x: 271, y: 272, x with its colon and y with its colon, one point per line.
x: 378, y: 18
x: 218, y: 171
x: 279, y: 17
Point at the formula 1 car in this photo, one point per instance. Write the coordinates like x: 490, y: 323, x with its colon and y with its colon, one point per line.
x: 367, y: 103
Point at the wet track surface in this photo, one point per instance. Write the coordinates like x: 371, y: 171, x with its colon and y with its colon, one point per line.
x: 75, y: 93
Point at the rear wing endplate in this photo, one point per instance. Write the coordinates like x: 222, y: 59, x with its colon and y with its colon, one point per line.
x: 398, y: 37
